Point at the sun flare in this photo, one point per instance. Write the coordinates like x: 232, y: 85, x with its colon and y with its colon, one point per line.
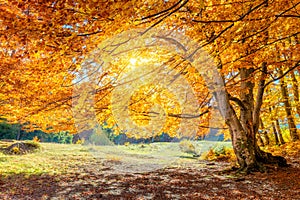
x: 132, y: 61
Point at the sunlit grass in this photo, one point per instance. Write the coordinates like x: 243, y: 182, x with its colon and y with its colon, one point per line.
x: 55, y: 159
x: 51, y: 159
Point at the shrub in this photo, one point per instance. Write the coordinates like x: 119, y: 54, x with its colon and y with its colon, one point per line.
x: 220, y: 153
x: 35, y: 139
x: 127, y: 144
x: 99, y: 138
x: 80, y: 141
x: 187, y: 146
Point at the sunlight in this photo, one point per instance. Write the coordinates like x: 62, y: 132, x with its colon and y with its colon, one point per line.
x: 132, y: 61
x: 135, y: 62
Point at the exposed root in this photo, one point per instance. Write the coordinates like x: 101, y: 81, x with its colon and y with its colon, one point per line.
x: 262, y: 160
x: 249, y: 169
x: 268, y: 158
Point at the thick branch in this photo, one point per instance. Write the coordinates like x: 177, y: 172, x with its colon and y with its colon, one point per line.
x: 238, y: 101
x: 182, y: 116
x: 189, y: 116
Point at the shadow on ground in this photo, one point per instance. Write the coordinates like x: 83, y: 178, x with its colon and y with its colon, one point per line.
x: 207, y: 182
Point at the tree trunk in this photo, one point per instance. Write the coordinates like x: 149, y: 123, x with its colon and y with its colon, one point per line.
x: 75, y: 138
x: 19, y: 131
x: 275, y: 134
x: 243, y: 129
x: 275, y: 123
x: 264, y: 132
x: 274, y: 128
x: 288, y: 109
x: 279, y: 132
x: 243, y: 147
x: 267, y: 138
x: 260, y: 140
x: 296, y: 92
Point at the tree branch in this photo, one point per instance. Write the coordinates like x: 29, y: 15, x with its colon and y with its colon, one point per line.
x: 161, y: 12
x: 87, y: 34
x: 167, y: 15
x: 237, y: 100
x: 189, y: 116
x: 295, y: 16
x: 285, y: 73
x: 235, y: 20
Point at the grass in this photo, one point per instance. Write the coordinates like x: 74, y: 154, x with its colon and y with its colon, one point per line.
x: 51, y: 159
x: 67, y: 158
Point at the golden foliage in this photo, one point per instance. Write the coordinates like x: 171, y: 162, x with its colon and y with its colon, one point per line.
x: 220, y: 154
x: 43, y: 45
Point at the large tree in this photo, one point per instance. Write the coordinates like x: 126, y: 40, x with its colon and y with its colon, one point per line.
x: 251, y: 40
x: 248, y: 41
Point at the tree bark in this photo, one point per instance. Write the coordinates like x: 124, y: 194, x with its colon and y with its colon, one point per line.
x: 275, y: 134
x: 267, y: 138
x: 295, y: 92
x: 279, y: 132
x: 288, y: 109
x: 260, y: 140
x: 19, y: 131
x: 242, y: 147
x: 243, y: 129
x: 264, y: 132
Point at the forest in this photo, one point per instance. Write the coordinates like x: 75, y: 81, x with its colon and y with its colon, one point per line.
x: 145, y: 83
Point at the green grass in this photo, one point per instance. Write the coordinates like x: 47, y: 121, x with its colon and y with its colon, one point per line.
x: 67, y: 158
x: 51, y: 159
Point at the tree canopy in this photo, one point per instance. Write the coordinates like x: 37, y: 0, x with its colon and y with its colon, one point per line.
x: 90, y: 58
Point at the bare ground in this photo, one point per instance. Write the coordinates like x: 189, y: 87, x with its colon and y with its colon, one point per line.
x: 198, y: 180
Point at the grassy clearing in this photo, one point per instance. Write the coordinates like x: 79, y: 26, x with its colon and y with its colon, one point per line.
x: 51, y: 159
x: 57, y: 159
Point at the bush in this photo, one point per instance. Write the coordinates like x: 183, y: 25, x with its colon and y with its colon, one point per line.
x: 187, y: 146
x: 80, y: 141
x: 36, y: 139
x: 99, y: 137
x: 8, y: 131
x: 61, y: 137
x: 127, y: 144
x: 220, y: 153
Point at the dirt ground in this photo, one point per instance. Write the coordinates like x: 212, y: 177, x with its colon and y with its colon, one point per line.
x: 204, y: 180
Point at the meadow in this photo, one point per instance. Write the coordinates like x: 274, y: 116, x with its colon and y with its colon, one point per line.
x: 55, y: 158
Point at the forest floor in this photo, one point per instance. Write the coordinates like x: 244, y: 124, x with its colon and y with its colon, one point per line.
x: 77, y: 172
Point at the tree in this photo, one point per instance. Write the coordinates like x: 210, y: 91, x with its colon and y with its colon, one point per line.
x: 244, y: 37
x: 8, y: 131
x: 247, y: 40
x: 244, y: 43
x: 295, y: 91
x: 288, y: 109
